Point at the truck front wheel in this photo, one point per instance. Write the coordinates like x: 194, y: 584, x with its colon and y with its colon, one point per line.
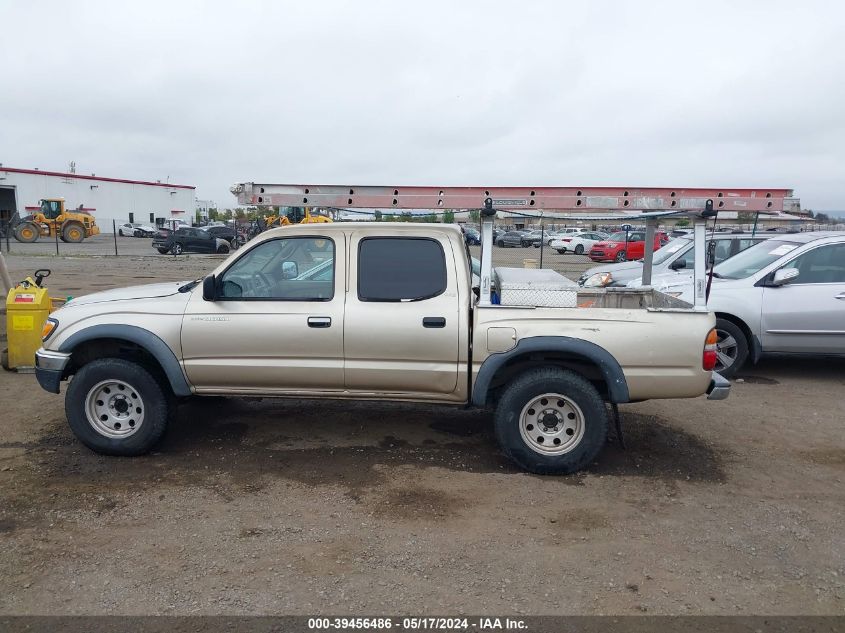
x: 551, y: 421
x: 116, y: 407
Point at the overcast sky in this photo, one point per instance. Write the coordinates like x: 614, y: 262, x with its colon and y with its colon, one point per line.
x: 742, y: 94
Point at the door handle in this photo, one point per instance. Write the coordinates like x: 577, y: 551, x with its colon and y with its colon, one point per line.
x: 840, y: 296
x: 319, y: 321
x: 434, y: 322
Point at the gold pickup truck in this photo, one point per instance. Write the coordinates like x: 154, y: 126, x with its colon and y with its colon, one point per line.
x: 377, y: 311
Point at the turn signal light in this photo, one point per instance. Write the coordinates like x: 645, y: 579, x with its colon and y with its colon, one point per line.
x: 708, y: 358
x: 49, y: 327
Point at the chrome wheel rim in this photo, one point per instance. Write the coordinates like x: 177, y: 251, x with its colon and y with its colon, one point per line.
x: 726, y: 350
x: 114, y: 409
x: 551, y: 424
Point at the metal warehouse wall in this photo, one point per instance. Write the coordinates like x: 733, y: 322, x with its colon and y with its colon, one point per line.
x: 106, y: 200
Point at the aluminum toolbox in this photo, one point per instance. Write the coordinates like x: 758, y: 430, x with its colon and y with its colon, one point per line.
x: 536, y: 287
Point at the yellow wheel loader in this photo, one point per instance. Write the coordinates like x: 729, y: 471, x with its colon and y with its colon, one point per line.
x: 53, y: 219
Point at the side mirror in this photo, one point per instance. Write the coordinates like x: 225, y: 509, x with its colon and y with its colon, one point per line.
x: 290, y: 270
x: 784, y: 276
x: 209, y: 288
x: 678, y: 264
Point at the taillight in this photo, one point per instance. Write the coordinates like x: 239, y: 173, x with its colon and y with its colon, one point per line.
x: 708, y: 358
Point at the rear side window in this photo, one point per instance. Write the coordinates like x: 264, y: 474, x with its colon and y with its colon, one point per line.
x: 400, y: 269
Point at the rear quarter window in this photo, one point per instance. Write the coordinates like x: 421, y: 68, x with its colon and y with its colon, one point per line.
x: 400, y: 269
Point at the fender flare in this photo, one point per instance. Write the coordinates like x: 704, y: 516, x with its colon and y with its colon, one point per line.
x: 141, y: 337
x: 609, y: 367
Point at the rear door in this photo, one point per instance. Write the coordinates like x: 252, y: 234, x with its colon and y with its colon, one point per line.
x: 808, y: 314
x: 402, y: 324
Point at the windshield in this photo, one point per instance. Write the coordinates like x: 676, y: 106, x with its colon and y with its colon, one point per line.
x: 617, y: 237
x: 754, y: 259
x: 670, y: 249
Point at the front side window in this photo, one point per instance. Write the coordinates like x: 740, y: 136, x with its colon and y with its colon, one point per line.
x: 400, y: 269
x: 823, y: 265
x: 285, y: 269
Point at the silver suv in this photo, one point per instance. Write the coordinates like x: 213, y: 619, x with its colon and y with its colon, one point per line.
x: 786, y: 295
x: 677, y: 255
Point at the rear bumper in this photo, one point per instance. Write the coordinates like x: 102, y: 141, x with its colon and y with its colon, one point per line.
x: 49, y: 369
x: 719, y: 389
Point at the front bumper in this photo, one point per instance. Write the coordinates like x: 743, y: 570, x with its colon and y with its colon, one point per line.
x: 720, y: 387
x: 50, y: 368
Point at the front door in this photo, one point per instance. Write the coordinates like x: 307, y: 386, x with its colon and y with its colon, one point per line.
x: 277, y: 324
x: 808, y: 314
x: 402, y: 316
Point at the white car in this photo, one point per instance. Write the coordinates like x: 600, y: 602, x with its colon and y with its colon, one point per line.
x: 135, y: 230
x: 578, y: 243
x: 785, y: 295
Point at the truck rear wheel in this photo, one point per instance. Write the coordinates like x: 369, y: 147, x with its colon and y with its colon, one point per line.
x: 116, y: 407
x: 26, y: 232
x: 73, y: 233
x: 551, y: 421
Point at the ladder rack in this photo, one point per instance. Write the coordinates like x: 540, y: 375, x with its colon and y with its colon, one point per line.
x: 528, y: 200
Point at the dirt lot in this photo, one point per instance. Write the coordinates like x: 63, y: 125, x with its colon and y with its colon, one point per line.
x: 270, y: 506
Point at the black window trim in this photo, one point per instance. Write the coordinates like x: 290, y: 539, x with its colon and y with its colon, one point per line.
x: 394, y: 237
x: 770, y: 276
x: 219, y: 278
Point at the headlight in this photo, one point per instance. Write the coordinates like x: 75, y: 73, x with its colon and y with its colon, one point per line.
x: 50, y: 326
x: 598, y: 280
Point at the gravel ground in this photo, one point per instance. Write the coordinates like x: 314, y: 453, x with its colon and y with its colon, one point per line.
x: 298, y: 507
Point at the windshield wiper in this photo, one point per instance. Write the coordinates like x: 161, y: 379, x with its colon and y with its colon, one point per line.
x: 189, y: 286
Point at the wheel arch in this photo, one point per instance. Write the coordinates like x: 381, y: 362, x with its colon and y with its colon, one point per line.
x: 591, y: 361
x: 126, y: 341
x: 753, y: 342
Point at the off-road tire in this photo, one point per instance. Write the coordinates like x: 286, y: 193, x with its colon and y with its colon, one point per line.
x: 725, y: 328
x: 73, y: 232
x: 550, y: 380
x: 158, y: 405
x: 27, y: 232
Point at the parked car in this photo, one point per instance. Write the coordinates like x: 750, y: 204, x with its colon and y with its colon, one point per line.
x: 188, y: 240
x: 784, y: 295
x: 222, y: 231
x: 128, y: 229
x: 471, y: 236
x: 577, y: 243
x: 675, y: 258
x: 617, y: 249
x: 511, y: 238
x: 533, y: 238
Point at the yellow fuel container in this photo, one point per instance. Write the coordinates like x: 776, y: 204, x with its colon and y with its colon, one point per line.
x: 27, y: 308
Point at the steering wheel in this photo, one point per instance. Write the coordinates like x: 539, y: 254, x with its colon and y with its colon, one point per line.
x: 261, y: 285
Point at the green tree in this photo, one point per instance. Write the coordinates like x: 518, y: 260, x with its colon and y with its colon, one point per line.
x: 227, y: 214
x: 213, y: 214
x: 475, y: 216
x: 449, y: 217
x: 745, y: 218
x: 682, y: 222
x: 377, y: 215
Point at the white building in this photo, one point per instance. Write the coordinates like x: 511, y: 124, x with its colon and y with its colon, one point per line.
x: 107, y: 199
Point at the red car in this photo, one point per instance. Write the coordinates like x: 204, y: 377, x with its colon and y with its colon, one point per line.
x: 613, y: 248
